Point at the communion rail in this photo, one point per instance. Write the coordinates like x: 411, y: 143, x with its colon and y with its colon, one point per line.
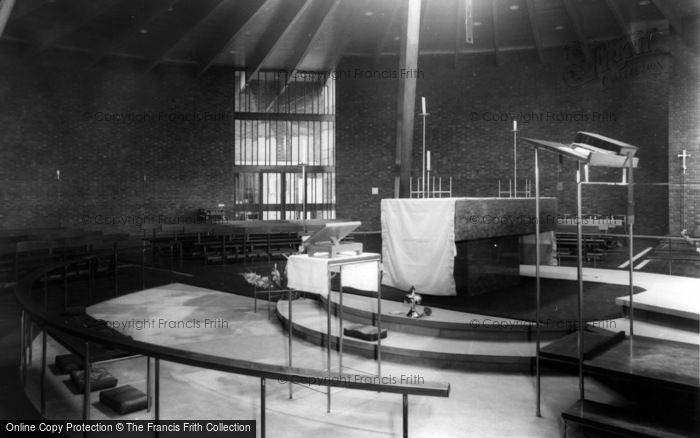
x: 38, y: 312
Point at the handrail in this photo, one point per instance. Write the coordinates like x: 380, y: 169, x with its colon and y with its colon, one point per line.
x: 45, y: 318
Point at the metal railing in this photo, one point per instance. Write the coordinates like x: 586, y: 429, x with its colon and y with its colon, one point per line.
x: 38, y: 312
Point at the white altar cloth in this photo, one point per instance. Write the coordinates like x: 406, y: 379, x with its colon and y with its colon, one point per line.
x: 310, y: 274
x: 418, y: 244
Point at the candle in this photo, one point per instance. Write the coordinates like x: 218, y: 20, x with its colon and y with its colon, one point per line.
x: 515, y: 125
x: 427, y: 161
x: 423, y: 104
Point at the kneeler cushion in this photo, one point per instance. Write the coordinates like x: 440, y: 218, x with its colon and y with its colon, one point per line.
x: 99, y: 379
x: 124, y: 399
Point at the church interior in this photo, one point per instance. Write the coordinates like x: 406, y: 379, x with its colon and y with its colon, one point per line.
x: 350, y: 218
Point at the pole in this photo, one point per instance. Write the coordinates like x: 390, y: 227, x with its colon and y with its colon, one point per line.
x: 537, y: 278
x: 579, y: 275
x: 515, y: 159
x: 424, y: 114
x: 630, y: 221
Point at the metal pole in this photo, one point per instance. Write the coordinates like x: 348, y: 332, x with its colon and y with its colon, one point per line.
x: 22, y: 348
x: 43, y: 372
x: 537, y: 278
x: 116, y: 271
x: 630, y: 221
x: 143, y: 265
x: 340, y: 322
x: 423, y: 182
x: 405, y: 415
x: 579, y: 274
x: 157, y: 390
x: 290, y: 339
x: 328, y: 345
x: 262, y: 407
x: 86, y: 386
x: 515, y: 162
x: 149, y: 390
x: 379, y: 321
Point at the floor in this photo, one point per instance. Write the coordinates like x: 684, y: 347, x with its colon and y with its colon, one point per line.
x: 480, y: 404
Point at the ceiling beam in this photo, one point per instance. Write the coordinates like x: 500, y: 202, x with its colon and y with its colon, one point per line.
x: 345, y: 33
x: 267, y: 47
x: 619, y: 17
x: 405, y: 113
x: 239, y: 23
x: 671, y: 15
x: 494, y: 22
x: 381, y: 42
x: 308, y: 47
x: 530, y: 5
x: 63, y: 29
x: 190, y: 14
x: 148, y: 10
x: 460, y: 15
x: 5, y: 11
x: 578, y: 28
x: 26, y: 7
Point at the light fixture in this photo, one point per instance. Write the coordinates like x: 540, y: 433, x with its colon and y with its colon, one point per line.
x: 559, y: 27
x: 476, y: 23
x: 514, y: 7
x: 644, y: 2
x: 143, y: 31
x: 369, y: 13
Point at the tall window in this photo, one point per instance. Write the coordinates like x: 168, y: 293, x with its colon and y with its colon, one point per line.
x: 284, y: 161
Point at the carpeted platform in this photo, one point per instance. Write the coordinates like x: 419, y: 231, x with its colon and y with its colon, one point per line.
x: 558, y: 300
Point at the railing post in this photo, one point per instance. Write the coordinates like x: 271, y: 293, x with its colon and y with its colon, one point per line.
x: 290, y: 339
x: 157, y: 390
x: 46, y: 291
x: 149, y: 394
x: 262, y: 407
x: 172, y: 263
x: 22, y: 348
x: 143, y: 264
x: 43, y: 372
x: 116, y: 270
x: 379, y: 321
x: 86, y: 378
x: 65, y: 286
x: 405, y: 415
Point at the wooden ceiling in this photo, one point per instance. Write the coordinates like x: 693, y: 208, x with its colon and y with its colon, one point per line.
x: 312, y: 35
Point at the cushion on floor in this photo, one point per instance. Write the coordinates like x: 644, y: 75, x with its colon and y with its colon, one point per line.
x: 99, y: 379
x: 364, y: 332
x: 65, y: 363
x: 124, y: 399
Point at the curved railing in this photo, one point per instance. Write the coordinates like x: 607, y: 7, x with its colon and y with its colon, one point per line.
x: 36, y: 312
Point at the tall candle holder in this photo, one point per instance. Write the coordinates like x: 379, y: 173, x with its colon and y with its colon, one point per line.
x: 515, y: 158
x: 424, y: 114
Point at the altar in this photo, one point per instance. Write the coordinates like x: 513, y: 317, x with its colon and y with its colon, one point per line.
x: 458, y: 246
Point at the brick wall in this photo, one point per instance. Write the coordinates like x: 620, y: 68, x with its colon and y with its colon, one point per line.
x: 469, y: 130
x: 169, y: 162
x: 684, y: 133
x: 160, y: 162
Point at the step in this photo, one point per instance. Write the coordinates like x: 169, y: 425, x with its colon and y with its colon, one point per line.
x: 310, y: 321
x: 441, y: 323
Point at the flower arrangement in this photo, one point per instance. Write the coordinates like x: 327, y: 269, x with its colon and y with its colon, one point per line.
x: 275, y: 280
